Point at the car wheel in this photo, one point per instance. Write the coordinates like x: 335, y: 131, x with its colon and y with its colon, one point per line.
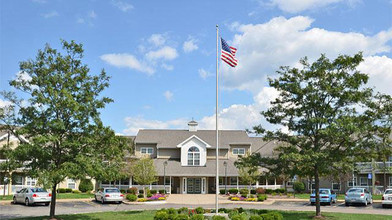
x: 330, y: 202
x: 95, y: 197
x: 102, y: 201
x: 384, y: 206
x: 46, y: 203
x: 371, y: 201
x: 14, y: 200
x: 312, y: 203
x: 27, y: 202
x: 347, y: 204
x: 366, y: 202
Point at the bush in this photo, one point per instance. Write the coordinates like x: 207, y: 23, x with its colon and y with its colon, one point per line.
x: 131, y: 197
x: 182, y: 210
x: 268, y: 191
x: 289, y: 195
x: 149, y: 195
x: 162, y: 191
x: 218, y: 217
x: 244, y: 195
x: 181, y: 217
x: 197, y: 217
x: 153, y: 191
x: 244, y: 191
x: 299, y: 187
x: 255, y: 217
x: 261, y: 198
x: 233, y: 191
x: 241, y: 216
x: 199, y: 210
x: 86, y: 185
x: 252, y: 191
x: 140, y: 196
x: 222, y: 191
x: 171, y: 211
x: 273, y: 193
x: 161, y: 215
x: 224, y: 210
x: 277, y: 215
x: 68, y: 190
x: 122, y: 191
x: 141, y: 191
x: 260, y: 190
x: 132, y: 190
x: 280, y: 190
x: 75, y: 191
x: 61, y: 190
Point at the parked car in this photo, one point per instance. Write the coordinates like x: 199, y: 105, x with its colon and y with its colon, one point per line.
x: 387, y: 198
x: 358, y: 195
x: 326, y: 196
x: 31, y: 196
x: 109, y: 195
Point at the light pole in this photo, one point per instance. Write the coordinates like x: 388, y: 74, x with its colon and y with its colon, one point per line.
x: 164, y: 176
x: 225, y: 164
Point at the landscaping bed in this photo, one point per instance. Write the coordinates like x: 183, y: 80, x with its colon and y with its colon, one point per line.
x: 135, y: 195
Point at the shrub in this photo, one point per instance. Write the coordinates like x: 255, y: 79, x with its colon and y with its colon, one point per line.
x: 161, y: 215
x: 255, y: 217
x: 149, y: 195
x: 86, y: 185
x: 268, y: 191
x: 173, y: 216
x: 289, y: 195
x: 142, y: 200
x: 122, y: 191
x: 197, y: 217
x: 141, y: 191
x: 162, y: 191
x: 61, y: 190
x: 153, y: 191
x: 75, y: 191
x: 131, y: 197
x: 233, y: 191
x: 299, y: 187
x: 244, y: 191
x: 260, y: 190
x: 181, y: 217
x: 171, y: 211
x: 252, y: 191
x: 224, y: 210
x: 241, y: 216
x: 182, y: 210
x: 68, y: 190
x: 261, y: 198
x: 273, y: 193
x: 218, y: 217
x: 199, y: 210
x: 222, y: 191
x: 276, y: 215
x: 244, y: 195
x: 132, y: 190
x: 140, y: 196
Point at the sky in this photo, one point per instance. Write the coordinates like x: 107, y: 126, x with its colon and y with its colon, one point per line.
x: 161, y: 55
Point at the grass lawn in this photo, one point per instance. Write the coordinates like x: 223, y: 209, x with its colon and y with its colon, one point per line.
x: 61, y: 196
x: 136, y: 215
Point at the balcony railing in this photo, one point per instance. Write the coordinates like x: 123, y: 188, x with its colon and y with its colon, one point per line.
x: 379, y: 167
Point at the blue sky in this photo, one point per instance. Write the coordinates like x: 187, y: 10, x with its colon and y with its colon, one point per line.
x: 161, y: 54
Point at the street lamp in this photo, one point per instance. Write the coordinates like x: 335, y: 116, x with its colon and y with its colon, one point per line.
x: 164, y: 176
x: 225, y: 164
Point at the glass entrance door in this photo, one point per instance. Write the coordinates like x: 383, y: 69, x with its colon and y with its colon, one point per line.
x: 193, y: 185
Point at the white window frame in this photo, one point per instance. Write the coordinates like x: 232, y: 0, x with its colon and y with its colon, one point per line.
x: 71, y: 182
x: 334, y: 183
x: 390, y: 180
x: 146, y: 150
x: 231, y: 182
x: 193, y: 160
x: 363, y: 178
x: 310, y: 183
x: 350, y: 182
x: 31, y: 181
x: 236, y: 151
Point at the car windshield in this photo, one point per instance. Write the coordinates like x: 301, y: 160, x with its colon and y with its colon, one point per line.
x: 37, y: 190
x: 355, y: 191
x: 388, y: 192
x: 112, y: 190
x: 324, y: 191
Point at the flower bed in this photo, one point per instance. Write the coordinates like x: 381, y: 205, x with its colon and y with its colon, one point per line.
x: 156, y: 197
x: 260, y: 198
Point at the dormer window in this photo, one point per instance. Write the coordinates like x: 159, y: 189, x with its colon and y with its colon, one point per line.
x: 238, y: 151
x: 193, y: 156
x: 147, y: 150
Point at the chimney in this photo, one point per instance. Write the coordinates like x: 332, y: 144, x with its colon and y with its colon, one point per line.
x: 192, y: 125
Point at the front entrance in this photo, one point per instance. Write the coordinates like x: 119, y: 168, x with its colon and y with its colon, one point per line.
x: 193, y: 185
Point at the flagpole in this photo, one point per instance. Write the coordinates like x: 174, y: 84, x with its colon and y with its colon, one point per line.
x: 216, y: 120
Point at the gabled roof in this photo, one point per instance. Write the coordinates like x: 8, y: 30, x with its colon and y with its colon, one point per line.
x: 168, y: 138
x: 196, y: 137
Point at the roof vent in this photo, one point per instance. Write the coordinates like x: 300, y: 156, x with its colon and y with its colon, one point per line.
x: 192, y: 125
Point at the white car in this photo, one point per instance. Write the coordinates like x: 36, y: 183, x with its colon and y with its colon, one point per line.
x: 109, y: 195
x: 387, y: 198
x: 31, y: 196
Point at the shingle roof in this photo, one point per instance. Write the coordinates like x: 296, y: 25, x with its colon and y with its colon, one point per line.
x: 171, y: 138
x: 265, y: 148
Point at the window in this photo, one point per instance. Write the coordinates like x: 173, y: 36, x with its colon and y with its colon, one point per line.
x: 147, y: 150
x: 390, y: 181
x: 350, y: 182
x: 238, y: 151
x: 311, y: 185
x: 71, y: 184
x: 193, y: 156
x: 17, y: 179
x: 233, y: 180
x: 336, y: 186
x: 363, y: 181
x: 31, y: 181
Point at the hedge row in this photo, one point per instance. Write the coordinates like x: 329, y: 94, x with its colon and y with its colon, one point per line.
x: 252, y: 191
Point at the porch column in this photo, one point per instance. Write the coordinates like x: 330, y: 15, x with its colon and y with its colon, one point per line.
x: 275, y: 183
x: 257, y: 184
x: 170, y: 182
x: 266, y: 183
x: 130, y: 182
x: 237, y: 183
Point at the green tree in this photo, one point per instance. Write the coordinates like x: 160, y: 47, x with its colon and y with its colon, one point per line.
x: 144, y: 172
x: 248, y: 170
x: 61, y: 120
x: 318, y: 106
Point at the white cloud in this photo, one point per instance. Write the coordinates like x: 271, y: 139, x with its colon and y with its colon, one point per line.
x: 280, y: 41
x: 190, y: 45
x: 133, y: 124
x: 204, y: 73
x: 92, y: 14
x: 167, y: 67
x: 4, y: 103
x: 165, y: 53
x: 123, y: 6
x: 157, y: 39
x: 379, y: 69
x: 50, y: 14
x: 168, y: 95
x: 127, y: 60
x: 295, y: 6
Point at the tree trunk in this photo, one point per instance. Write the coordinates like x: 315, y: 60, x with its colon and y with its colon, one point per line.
x: 317, y: 192
x: 53, y: 201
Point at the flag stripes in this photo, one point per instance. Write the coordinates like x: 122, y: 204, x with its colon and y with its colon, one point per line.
x: 228, y: 54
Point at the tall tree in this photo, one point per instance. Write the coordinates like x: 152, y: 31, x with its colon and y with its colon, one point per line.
x: 61, y: 118
x: 144, y: 172
x: 248, y: 170
x: 318, y: 106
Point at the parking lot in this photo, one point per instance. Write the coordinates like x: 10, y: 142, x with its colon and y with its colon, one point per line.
x: 9, y: 211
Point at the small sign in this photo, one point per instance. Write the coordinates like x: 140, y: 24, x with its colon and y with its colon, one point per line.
x: 369, y: 176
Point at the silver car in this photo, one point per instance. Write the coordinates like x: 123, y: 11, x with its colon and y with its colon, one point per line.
x: 358, y: 195
x: 387, y: 198
x: 31, y: 196
x: 109, y: 195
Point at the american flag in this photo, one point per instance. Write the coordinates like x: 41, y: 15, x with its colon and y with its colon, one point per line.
x: 228, y: 54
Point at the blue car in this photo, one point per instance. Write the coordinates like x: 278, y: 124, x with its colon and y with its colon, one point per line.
x: 327, y: 196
